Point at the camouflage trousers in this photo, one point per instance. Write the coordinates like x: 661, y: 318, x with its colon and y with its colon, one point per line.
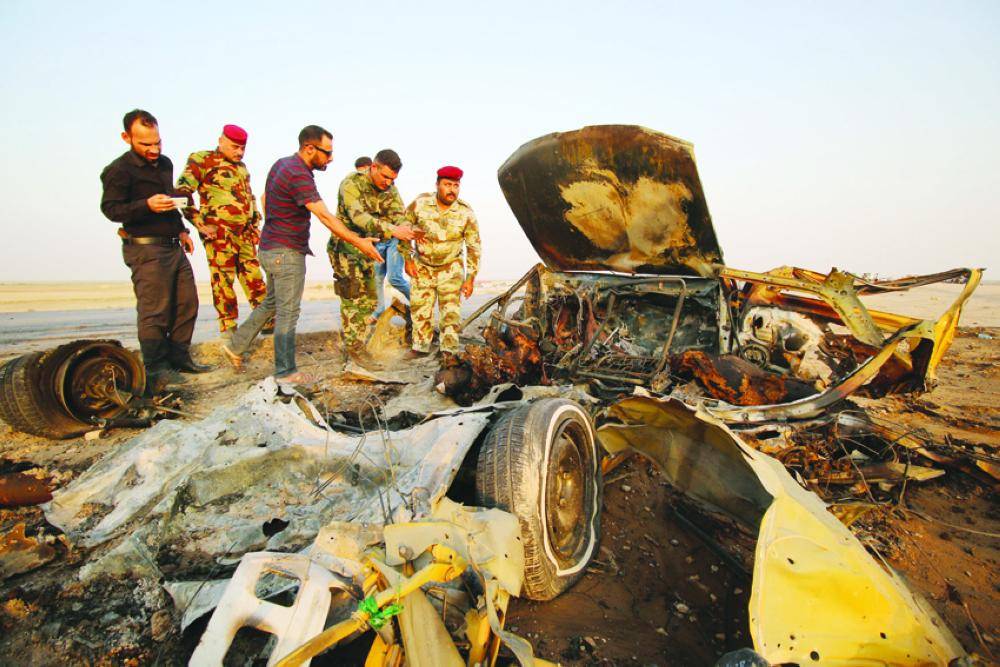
x: 232, y: 256
x: 442, y: 283
x: 355, y: 285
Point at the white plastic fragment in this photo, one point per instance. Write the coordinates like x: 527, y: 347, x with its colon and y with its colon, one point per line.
x: 240, y: 607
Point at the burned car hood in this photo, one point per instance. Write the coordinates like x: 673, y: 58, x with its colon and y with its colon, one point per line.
x: 612, y: 198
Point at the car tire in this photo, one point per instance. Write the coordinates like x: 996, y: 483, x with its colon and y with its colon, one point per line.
x: 540, y: 463
x: 19, y: 395
x: 56, y: 394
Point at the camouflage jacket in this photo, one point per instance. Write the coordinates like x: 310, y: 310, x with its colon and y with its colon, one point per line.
x: 366, y: 211
x: 222, y: 186
x: 445, y: 232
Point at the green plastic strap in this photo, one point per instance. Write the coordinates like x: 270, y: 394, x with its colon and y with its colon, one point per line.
x: 378, y: 617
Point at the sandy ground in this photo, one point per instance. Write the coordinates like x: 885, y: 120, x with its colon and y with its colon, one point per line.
x: 656, y: 593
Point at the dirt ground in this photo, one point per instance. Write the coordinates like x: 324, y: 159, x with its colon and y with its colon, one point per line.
x: 658, y: 592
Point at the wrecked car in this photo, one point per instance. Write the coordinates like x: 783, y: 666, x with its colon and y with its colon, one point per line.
x: 634, y: 291
x: 423, y: 533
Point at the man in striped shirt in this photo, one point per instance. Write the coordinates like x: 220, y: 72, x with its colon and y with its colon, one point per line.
x: 290, y: 196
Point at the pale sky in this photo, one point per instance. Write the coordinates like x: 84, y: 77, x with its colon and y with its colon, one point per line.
x: 859, y: 135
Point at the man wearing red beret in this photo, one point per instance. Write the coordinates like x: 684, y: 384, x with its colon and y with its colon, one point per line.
x: 435, y: 264
x: 227, y: 221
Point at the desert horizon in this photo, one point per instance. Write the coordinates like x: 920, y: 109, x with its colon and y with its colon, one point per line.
x: 982, y: 309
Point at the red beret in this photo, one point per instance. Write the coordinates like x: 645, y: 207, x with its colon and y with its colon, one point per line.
x: 451, y: 173
x: 235, y: 133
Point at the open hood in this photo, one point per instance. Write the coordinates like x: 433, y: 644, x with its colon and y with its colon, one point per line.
x: 612, y: 198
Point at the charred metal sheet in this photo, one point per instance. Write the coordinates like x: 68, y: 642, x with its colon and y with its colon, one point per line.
x: 737, y: 381
x: 836, y: 288
x: 20, y: 553
x: 813, y: 581
x: 18, y: 489
x: 506, y: 357
x: 587, y: 326
x: 924, y: 339
x: 623, y: 329
x: 838, y: 292
x: 612, y: 197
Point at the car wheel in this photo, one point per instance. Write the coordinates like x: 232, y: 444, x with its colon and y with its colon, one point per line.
x: 60, y: 393
x: 20, y: 395
x: 539, y: 462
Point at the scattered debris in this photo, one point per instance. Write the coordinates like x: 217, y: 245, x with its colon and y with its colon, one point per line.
x: 805, y: 558
x: 20, y: 553
x: 482, y: 547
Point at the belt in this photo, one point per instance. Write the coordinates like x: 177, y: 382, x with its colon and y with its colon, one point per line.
x: 421, y: 260
x: 151, y: 240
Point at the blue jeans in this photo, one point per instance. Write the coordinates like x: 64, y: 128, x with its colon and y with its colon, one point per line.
x: 393, y: 266
x: 286, y: 278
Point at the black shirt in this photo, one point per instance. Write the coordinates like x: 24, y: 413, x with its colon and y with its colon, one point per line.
x: 128, y: 182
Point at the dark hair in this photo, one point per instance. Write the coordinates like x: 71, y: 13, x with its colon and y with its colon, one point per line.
x: 389, y: 158
x: 143, y: 117
x: 311, y: 133
x: 362, y: 161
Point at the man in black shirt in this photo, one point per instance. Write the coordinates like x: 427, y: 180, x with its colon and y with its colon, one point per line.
x: 137, y: 193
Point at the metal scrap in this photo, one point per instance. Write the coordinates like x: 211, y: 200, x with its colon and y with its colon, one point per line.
x: 508, y: 356
x: 20, y: 553
x: 637, y: 330
x: 18, y: 489
x: 612, y: 196
x: 737, y: 381
x: 817, y: 595
x: 411, y: 573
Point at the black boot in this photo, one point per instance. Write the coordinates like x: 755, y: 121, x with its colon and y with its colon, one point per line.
x: 180, y: 359
x: 161, y: 379
x: 189, y: 365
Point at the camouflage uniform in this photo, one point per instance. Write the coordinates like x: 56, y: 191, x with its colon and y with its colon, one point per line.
x: 439, y: 267
x: 369, y: 213
x: 228, y: 203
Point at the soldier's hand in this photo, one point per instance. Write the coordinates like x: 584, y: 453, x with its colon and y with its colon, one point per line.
x: 367, y: 246
x: 187, y: 243
x: 467, y: 288
x: 160, y: 203
x: 407, y: 233
x: 411, y: 268
x: 210, y: 232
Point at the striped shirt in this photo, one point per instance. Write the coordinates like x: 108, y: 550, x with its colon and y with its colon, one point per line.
x: 290, y: 186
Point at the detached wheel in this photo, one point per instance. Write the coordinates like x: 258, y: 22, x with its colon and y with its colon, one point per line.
x: 539, y: 462
x: 20, y: 394
x: 59, y: 393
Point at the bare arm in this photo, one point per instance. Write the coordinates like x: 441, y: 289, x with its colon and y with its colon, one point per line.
x: 333, y: 223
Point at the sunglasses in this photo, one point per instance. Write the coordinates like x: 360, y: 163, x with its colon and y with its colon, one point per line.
x: 322, y: 150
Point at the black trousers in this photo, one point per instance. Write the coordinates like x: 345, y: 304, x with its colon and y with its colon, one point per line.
x: 166, y: 302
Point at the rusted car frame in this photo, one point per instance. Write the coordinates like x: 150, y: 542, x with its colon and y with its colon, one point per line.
x: 633, y: 276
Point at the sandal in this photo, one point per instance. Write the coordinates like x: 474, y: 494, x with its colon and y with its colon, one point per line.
x: 235, y: 359
x: 297, y: 378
